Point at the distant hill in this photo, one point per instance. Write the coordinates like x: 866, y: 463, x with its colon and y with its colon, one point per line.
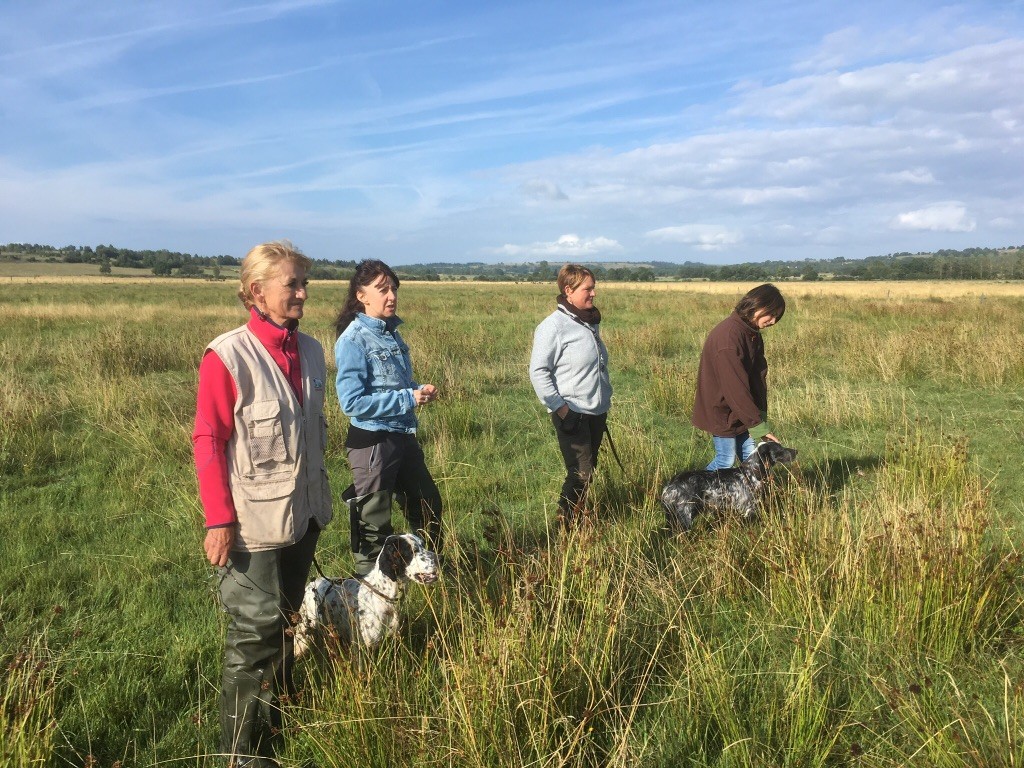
x: 969, y: 264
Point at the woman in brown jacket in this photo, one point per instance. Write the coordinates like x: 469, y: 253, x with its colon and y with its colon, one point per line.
x: 732, y: 382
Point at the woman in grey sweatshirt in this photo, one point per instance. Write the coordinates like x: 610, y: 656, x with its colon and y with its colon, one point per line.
x: 569, y: 372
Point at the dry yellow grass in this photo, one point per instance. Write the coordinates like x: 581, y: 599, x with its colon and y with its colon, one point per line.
x: 891, y: 289
x: 916, y: 289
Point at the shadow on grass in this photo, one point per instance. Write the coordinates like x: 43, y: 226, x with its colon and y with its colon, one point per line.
x: 830, y: 477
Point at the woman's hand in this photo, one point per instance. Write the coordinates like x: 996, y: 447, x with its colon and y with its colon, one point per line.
x: 563, y: 411
x: 218, y: 545
x: 425, y: 394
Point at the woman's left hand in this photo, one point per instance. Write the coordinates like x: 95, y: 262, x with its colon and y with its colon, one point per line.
x: 425, y: 394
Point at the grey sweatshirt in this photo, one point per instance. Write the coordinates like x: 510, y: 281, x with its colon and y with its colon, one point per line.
x: 569, y: 365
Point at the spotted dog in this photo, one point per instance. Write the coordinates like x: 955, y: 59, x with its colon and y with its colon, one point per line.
x: 364, y: 611
x: 738, y: 488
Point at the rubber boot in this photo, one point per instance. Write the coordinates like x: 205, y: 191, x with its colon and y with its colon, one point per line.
x: 249, y: 715
x: 370, y: 518
x: 248, y: 719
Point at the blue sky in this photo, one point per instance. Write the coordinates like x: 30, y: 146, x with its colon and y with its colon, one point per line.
x: 718, y: 132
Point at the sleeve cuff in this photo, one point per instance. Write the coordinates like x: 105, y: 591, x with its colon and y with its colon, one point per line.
x: 758, y: 431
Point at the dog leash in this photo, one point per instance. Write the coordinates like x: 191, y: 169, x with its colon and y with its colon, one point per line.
x: 611, y: 444
x: 316, y: 564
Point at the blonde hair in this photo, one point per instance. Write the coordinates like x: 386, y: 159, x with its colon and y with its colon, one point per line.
x: 260, y: 264
x: 572, y: 276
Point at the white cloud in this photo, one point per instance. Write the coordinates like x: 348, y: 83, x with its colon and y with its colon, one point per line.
x: 567, y: 246
x: 704, y: 237
x: 979, y: 78
x: 941, y: 217
x: 921, y: 176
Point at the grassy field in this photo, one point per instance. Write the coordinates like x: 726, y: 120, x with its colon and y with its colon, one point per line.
x: 873, y: 618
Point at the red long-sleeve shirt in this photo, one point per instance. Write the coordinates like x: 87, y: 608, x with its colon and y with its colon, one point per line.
x: 215, y: 415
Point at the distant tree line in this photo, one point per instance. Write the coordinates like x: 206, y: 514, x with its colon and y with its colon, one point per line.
x: 162, y: 262
x: 969, y: 264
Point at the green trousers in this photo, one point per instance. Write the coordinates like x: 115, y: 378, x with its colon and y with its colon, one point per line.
x: 260, y: 592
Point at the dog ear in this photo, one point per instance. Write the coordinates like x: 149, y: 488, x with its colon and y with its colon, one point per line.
x: 390, y: 561
x: 405, y: 550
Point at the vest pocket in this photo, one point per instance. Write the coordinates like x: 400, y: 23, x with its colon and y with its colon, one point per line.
x: 266, y: 516
x: 267, y: 443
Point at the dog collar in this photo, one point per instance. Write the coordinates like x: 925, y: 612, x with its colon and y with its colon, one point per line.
x: 377, y: 592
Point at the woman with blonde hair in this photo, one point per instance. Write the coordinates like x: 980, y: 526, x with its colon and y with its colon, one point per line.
x: 569, y: 373
x: 259, y: 442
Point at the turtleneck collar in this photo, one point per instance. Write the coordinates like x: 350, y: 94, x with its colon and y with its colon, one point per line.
x: 270, y: 333
x: 590, y: 316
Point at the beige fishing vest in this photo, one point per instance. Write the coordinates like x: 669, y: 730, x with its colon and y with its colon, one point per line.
x: 276, y: 455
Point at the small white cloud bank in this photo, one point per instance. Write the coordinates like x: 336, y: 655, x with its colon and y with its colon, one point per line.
x: 569, y: 246
x: 941, y: 217
x: 703, y: 237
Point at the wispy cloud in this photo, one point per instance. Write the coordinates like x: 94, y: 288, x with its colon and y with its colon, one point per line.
x: 662, y: 131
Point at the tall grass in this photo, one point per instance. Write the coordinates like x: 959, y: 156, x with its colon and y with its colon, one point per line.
x: 871, y: 617
x: 27, y: 735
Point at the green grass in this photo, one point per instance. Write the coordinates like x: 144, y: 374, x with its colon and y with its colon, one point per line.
x: 873, y: 618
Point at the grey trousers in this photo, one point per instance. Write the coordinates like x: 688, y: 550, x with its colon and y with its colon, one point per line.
x: 260, y: 592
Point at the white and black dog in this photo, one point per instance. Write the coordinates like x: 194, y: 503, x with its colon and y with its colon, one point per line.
x: 365, y: 610
x: 737, y: 488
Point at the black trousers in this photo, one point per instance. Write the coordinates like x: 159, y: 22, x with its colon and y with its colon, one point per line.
x: 579, y: 439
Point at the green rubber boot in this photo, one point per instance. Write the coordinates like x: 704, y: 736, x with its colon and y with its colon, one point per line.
x: 370, y: 517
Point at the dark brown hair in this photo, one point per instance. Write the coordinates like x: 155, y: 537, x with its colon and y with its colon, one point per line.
x: 766, y: 297
x: 367, y: 273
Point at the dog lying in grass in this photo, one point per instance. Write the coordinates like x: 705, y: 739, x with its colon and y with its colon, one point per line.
x: 364, y: 611
x: 738, y: 488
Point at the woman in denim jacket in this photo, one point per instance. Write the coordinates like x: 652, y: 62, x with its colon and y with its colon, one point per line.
x: 376, y: 390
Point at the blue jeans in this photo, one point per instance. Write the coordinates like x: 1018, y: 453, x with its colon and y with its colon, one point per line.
x: 726, y: 449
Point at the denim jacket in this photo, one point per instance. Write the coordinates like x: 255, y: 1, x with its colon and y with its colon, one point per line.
x: 375, y: 383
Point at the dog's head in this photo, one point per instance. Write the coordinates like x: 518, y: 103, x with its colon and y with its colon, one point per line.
x: 769, y: 453
x: 406, y: 557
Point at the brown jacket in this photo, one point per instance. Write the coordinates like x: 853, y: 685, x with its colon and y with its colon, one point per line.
x: 732, y: 381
